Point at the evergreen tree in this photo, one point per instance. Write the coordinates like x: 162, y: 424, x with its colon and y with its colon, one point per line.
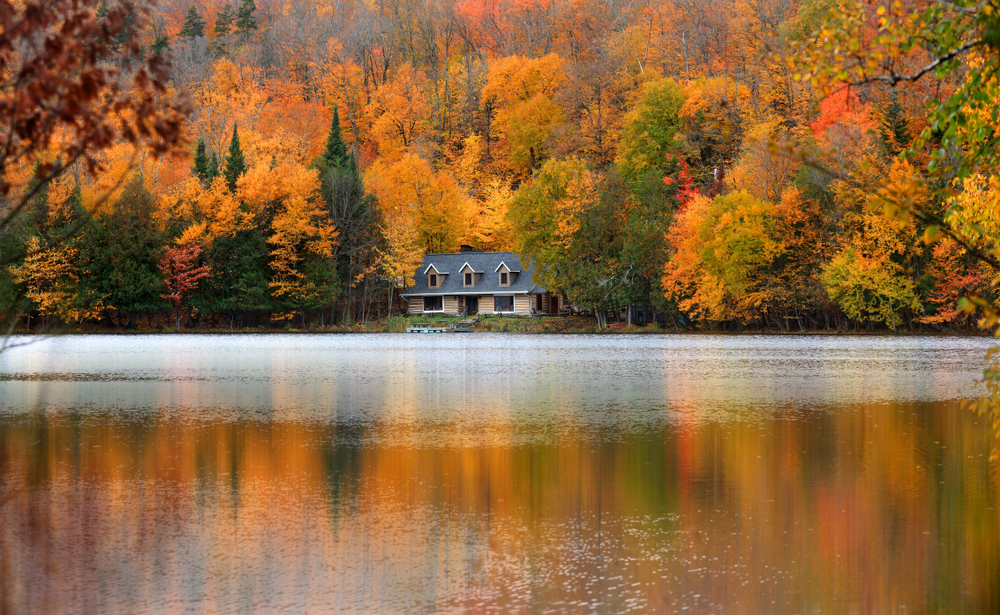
x: 358, y: 220
x: 245, y: 20
x: 224, y: 21
x: 236, y: 165
x: 335, y: 154
x: 120, y: 252
x: 160, y: 45
x: 894, y: 128
x: 213, y: 168
x: 194, y: 24
x: 200, y: 168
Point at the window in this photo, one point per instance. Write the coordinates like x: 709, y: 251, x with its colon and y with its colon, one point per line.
x: 432, y: 304
x: 434, y: 281
x: 468, y: 279
x: 503, y: 279
x: 503, y: 304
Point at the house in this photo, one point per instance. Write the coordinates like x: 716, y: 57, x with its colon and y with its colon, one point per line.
x: 475, y: 282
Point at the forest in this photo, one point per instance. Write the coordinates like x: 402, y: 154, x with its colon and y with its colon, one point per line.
x: 734, y: 164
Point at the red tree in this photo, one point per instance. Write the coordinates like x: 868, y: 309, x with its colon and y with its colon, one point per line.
x: 177, y: 266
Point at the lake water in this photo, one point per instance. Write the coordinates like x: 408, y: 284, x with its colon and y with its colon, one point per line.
x: 496, y: 473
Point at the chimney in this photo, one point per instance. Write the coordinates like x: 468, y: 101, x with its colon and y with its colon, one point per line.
x: 466, y: 248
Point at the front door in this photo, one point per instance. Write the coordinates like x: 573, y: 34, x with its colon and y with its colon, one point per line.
x: 472, y: 303
x: 554, y: 307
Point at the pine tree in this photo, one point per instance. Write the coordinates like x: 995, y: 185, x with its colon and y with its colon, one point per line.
x: 236, y: 165
x: 335, y: 154
x: 200, y: 168
x: 245, y: 20
x: 224, y: 21
x: 194, y: 24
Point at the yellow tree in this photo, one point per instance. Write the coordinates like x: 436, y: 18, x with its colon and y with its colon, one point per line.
x: 398, y: 112
x: 491, y: 230
x: 724, y: 251
x: 302, y: 236
x: 209, y: 213
x: 765, y: 166
x: 520, y: 92
x: 49, y: 275
x: 440, y: 211
x: 867, y: 278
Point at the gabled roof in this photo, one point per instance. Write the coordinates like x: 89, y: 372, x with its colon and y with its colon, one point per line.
x: 431, y: 266
x: 479, y: 262
x: 509, y: 268
x: 471, y: 268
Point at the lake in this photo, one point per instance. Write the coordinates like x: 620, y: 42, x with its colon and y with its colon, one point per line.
x: 488, y: 473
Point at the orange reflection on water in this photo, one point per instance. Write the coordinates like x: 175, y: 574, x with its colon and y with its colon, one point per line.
x: 864, y: 508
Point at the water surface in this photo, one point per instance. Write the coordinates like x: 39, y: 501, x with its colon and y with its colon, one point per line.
x: 495, y: 473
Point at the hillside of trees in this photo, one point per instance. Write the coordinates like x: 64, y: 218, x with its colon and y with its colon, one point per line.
x: 687, y: 157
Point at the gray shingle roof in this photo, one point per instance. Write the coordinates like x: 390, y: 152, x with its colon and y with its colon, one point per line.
x: 486, y: 263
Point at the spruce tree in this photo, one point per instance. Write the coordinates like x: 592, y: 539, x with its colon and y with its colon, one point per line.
x: 200, y: 168
x: 335, y: 154
x: 194, y: 24
x: 245, y: 20
x: 160, y: 45
x: 224, y: 21
x: 213, y: 168
x: 894, y: 128
x: 236, y: 165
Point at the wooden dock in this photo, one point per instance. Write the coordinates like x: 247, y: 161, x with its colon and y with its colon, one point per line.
x: 426, y: 327
x: 460, y: 326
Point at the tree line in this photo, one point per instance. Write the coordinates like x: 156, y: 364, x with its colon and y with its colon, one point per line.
x: 667, y: 158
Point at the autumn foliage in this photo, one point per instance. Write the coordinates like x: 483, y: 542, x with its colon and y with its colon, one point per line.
x: 647, y: 159
x: 180, y: 275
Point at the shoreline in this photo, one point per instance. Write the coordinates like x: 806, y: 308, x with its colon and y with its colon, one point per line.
x: 487, y: 327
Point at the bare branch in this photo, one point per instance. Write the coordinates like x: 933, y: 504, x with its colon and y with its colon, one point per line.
x: 893, y: 78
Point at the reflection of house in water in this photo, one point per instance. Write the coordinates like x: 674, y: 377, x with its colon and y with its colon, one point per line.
x: 475, y: 282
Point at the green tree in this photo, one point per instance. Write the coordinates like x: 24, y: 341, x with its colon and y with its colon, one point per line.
x: 161, y: 45
x: 119, y: 256
x: 335, y: 155
x: 224, y: 21
x: 238, y: 286
x: 357, y: 217
x: 650, y: 130
x: 544, y: 218
x: 194, y: 24
x: 213, y: 169
x: 200, y: 168
x: 893, y: 127
x: 245, y: 19
x: 236, y: 165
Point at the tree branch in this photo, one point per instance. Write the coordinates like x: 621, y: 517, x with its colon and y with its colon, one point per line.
x: 893, y: 78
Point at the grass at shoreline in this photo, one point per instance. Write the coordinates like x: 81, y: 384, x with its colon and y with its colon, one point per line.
x: 486, y: 324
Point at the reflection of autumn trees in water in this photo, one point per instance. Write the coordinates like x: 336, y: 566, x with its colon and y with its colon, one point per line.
x: 861, y: 507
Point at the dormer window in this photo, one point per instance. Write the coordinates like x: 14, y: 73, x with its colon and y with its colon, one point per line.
x: 506, y: 274
x: 435, y: 278
x: 469, y: 275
